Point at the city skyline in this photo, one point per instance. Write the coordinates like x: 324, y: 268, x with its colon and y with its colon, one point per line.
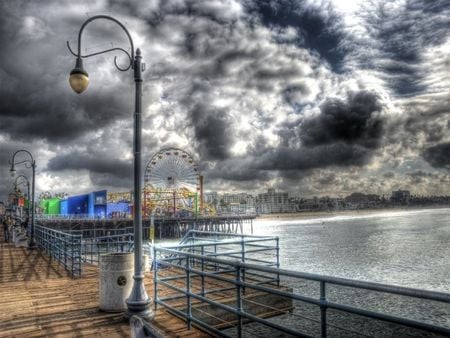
x: 321, y: 98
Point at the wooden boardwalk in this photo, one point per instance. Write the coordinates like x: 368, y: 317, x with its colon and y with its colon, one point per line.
x: 39, y: 299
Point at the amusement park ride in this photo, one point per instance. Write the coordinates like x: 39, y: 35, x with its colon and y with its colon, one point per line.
x: 173, y: 186
x: 172, y: 183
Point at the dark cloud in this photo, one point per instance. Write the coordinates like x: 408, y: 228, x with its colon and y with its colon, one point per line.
x: 402, y: 34
x: 438, y: 156
x: 322, y: 156
x: 317, y: 31
x: 213, y: 132
x: 345, y: 133
x: 93, y: 163
x: 356, y: 121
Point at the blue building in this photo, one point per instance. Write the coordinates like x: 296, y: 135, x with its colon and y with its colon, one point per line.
x: 78, y: 205
x: 97, y: 204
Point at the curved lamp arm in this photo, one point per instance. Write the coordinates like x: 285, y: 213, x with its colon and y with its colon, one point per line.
x: 21, y: 176
x: 28, y: 163
x: 106, y: 17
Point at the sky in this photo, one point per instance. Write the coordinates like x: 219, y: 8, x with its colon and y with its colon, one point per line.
x: 310, y: 97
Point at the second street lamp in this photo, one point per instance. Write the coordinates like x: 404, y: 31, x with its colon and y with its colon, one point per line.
x: 138, y: 303
x: 16, y: 183
x: 29, y: 164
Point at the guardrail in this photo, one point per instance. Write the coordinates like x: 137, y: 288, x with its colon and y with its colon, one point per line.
x: 127, y: 216
x: 80, y: 217
x: 63, y: 246
x: 74, y: 247
x: 263, y: 250
x: 186, y: 267
x: 93, y: 247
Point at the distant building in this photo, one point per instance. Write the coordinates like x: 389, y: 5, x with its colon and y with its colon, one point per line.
x: 2, y: 208
x: 359, y: 200
x: 400, y: 196
x: 273, y: 202
x: 241, y: 203
x: 230, y: 198
x: 211, y: 198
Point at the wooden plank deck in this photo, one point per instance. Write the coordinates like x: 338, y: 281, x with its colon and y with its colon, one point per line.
x: 39, y: 299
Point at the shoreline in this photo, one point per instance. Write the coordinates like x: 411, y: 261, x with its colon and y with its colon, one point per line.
x: 305, y: 215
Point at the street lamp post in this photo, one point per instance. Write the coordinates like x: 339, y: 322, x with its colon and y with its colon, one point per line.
x: 28, y: 196
x: 138, y: 303
x: 29, y: 164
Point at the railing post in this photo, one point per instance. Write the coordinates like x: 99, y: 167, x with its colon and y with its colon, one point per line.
x: 72, y: 252
x: 243, y: 260
x: 188, y: 291
x: 59, y: 247
x: 239, y: 300
x: 65, y: 252
x: 278, y: 260
x: 80, y: 243
x: 215, y: 256
x: 203, y: 270
x: 323, y: 311
x: 155, y: 278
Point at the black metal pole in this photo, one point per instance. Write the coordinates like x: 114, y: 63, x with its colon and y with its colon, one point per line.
x: 138, y: 303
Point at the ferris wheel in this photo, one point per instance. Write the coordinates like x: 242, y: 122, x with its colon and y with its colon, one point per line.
x: 171, y: 181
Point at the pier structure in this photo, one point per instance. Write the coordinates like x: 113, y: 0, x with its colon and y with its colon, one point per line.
x: 211, y: 284
x: 164, y: 227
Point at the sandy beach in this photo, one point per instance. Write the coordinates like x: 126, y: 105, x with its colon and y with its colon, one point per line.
x: 333, y: 213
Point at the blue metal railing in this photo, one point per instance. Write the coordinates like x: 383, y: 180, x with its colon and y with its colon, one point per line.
x: 113, y: 241
x: 263, y: 250
x: 123, y: 216
x: 187, y: 269
x: 64, y: 247
x: 74, y: 247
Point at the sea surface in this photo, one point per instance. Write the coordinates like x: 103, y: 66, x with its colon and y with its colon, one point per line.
x: 407, y: 248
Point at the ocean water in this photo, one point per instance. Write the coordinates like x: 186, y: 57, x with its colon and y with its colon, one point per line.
x: 407, y: 248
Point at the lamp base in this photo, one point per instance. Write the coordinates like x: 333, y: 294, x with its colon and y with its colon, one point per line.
x: 141, y: 309
x: 139, y: 303
x: 32, y: 244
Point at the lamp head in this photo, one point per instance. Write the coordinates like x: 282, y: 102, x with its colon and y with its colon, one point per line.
x: 12, y: 171
x: 79, y: 78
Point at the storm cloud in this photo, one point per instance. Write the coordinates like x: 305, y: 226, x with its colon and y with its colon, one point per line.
x: 344, y: 133
x: 309, y: 97
x: 354, y: 121
x: 438, y: 156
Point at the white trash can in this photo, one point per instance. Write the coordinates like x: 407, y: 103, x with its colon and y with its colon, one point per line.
x: 116, y: 280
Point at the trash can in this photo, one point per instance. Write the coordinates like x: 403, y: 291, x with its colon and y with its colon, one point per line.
x: 116, y: 280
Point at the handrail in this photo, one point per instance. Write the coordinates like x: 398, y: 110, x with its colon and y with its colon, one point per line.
x: 64, y: 247
x: 399, y: 290
x: 195, y: 266
x: 224, y: 234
